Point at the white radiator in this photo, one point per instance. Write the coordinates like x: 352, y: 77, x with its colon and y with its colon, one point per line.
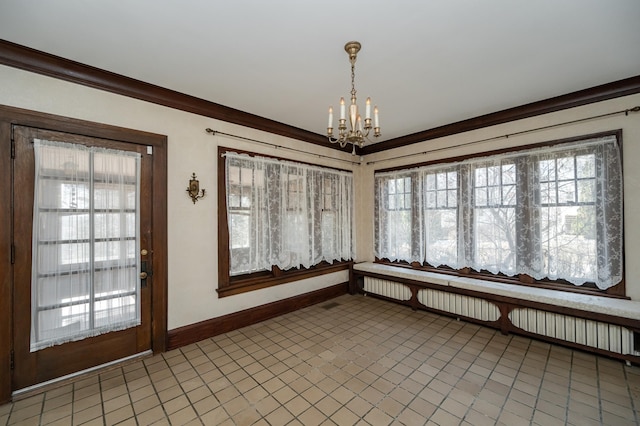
x: 471, y: 307
x: 387, y: 288
x: 596, y: 334
x: 459, y: 304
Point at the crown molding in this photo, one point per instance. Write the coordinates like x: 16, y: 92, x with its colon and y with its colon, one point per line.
x: 616, y: 89
x: 36, y: 61
x: 17, y: 56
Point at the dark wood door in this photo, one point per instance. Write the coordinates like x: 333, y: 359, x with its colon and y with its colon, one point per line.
x: 37, y: 366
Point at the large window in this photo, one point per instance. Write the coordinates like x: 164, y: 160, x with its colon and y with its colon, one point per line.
x: 552, y: 213
x: 282, y: 218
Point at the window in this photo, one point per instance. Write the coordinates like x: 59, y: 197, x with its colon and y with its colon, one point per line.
x: 282, y: 219
x: 494, y: 213
x: 396, y: 219
x: 85, y: 242
x: 441, y: 204
x: 551, y: 213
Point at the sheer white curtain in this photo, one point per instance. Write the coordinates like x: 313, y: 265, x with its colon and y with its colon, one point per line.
x: 286, y: 214
x: 579, y: 213
x: 399, y: 233
x: 552, y: 212
x: 85, y: 264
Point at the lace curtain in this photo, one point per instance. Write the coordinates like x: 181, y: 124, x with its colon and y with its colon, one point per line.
x: 552, y: 212
x: 85, y: 265
x: 286, y: 214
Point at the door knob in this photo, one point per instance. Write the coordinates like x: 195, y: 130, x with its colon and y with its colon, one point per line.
x: 143, y: 275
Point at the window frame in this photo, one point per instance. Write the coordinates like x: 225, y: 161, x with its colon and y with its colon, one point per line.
x: 618, y: 290
x: 229, y: 285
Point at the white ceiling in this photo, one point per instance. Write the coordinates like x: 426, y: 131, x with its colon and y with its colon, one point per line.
x: 424, y: 63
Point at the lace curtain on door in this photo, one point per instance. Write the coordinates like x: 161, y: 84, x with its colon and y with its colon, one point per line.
x: 85, y: 264
x: 552, y: 212
x: 286, y: 214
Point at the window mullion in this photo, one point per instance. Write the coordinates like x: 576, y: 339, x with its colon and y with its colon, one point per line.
x: 466, y: 228
x: 417, y: 219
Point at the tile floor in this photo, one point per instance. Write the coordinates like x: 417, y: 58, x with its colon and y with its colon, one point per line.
x: 352, y: 360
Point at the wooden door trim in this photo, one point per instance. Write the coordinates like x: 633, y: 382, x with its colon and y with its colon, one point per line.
x: 10, y: 116
x: 6, y: 271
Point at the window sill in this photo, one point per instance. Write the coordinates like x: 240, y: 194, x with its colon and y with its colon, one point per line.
x: 242, y: 285
x: 617, y: 291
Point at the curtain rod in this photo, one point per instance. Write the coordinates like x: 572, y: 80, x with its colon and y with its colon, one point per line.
x: 216, y: 132
x: 508, y: 135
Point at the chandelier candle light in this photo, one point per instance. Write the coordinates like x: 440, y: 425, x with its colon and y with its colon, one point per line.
x: 357, y: 133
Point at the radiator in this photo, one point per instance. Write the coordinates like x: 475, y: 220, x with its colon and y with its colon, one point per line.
x: 586, y: 332
x: 596, y: 334
x: 471, y: 307
x: 459, y: 304
x: 387, y: 288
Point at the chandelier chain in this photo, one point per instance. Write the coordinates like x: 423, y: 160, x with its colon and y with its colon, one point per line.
x: 353, y: 80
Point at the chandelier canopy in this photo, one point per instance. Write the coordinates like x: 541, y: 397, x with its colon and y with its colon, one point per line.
x: 357, y: 133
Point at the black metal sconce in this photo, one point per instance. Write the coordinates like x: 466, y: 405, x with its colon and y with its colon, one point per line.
x: 194, y: 189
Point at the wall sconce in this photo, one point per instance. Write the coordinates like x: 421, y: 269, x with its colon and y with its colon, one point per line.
x: 194, y: 189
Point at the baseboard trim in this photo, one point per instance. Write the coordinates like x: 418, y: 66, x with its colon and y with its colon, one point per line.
x: 192, y: 333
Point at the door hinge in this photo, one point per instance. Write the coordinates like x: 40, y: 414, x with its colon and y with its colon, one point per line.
x: 12, y: 361
x: 13, y: 254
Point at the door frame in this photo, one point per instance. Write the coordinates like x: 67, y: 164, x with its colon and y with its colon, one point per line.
x: 11, y: 116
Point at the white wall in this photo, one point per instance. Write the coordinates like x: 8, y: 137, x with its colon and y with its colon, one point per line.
x: 630, y: 126
x: 192, y: 229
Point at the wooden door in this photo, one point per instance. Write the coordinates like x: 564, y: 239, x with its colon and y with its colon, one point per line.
x: 33, y: 366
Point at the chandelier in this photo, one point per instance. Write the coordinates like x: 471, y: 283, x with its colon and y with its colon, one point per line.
x: 357, y: 133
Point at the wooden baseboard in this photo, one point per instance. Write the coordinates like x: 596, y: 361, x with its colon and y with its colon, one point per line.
x: 202, y: 330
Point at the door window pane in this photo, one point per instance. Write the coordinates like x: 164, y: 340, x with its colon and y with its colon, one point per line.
x: 85, y: 242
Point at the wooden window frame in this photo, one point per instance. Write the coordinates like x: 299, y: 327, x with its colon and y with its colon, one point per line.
x: 230, y: 285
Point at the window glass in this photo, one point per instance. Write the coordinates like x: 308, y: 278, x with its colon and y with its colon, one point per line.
x: 85, y: 270
x: 441, y: 239
x: 494, y: 216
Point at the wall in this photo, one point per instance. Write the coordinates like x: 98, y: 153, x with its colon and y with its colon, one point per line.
x: 192, y: 229
x: 448, y: 147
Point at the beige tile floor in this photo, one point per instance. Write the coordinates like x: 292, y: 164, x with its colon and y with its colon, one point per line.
x: 352, y: 360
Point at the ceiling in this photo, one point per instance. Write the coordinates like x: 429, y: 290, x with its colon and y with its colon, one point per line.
x: 424, y: 63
